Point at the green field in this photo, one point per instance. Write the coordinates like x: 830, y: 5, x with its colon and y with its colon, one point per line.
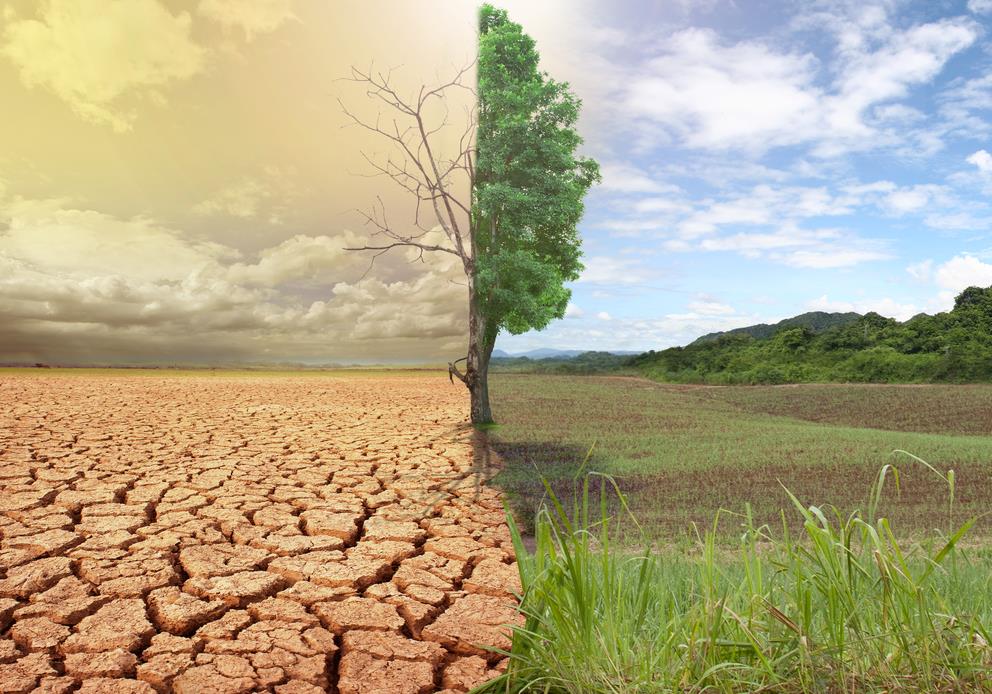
x: 681, y: 453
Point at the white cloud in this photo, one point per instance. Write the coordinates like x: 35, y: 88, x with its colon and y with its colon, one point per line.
x: 902, y: 60
x: 980, y: 6
x: 603, y: 315
x: 618, y: 271
x: 957, y: 221
x: 710, y: 308
x: 981, y: 159
x: 253, y: 17
x: 764, y: 205
x: 910, y: 199
x: 830, y: 258
x: 712, y: 94
x: 573, y: 311
x: 94, y: 56
x: 650, y: 205
x: 795, y: 246
x: 886, y: 307
x: 625, y: 178
x: 961, y: 272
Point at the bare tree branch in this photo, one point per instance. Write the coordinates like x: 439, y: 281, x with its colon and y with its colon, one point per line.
x: 420, y: 172
x: 415, y: 129
x: 453, y: 371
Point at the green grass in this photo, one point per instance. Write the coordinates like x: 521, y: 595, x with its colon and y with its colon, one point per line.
x: 681, y: 454
x: 844, y: 607
x: 936, y: 409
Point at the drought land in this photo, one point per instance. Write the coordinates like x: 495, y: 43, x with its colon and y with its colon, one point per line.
x: 240, y: 532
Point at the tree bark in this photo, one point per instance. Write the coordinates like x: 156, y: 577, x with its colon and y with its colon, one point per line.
x: 480, y: 349
x: 481, y: 340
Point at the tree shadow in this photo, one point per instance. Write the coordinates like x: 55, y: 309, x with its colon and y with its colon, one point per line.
x: 523, y: 467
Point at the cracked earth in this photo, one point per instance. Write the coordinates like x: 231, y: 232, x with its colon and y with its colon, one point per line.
x: 215, y: 533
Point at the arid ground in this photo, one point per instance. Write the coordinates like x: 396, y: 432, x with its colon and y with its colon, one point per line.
x: 240, y: 533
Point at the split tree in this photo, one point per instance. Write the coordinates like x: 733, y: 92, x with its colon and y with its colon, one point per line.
x: 507, y: 203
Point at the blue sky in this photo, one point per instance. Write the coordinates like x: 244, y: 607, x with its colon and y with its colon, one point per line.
x: 762, y: 159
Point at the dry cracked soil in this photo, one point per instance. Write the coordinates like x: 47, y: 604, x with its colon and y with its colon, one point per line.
x: 223, y: 534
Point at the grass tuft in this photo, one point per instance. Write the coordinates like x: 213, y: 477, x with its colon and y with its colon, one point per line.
x: 842, y: 606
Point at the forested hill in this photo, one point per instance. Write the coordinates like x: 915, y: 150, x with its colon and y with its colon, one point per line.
x: 816, y: 321
x: 947, y: 347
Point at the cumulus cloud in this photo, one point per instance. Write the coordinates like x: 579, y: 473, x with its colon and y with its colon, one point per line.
x: 253, y: 17
x: 296, y: 258
x: 963, y: 271
x: 886, y: 307
x: 99, y: 56
x: 982, y: 161
x: 951, y: 277
x: 910, y: 199
x: 87, y: 243
x: 76, y: 283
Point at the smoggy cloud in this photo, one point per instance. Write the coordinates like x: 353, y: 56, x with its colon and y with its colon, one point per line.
x: 178, y: 184
x: 75, y: 286
x: 101, y: 56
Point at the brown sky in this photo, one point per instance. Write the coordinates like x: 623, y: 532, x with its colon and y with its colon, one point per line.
x: 176, y: 184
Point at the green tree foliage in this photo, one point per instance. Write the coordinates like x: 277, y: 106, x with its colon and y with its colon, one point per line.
x: 529, y: 183
x: 948, y: 347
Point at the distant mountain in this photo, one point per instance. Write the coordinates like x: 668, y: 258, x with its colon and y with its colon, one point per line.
x: 816, y: 321
x: 548, y: 353
x: 948, y: 347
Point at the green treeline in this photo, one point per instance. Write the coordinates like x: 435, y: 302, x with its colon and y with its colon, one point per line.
x: 948, y: 347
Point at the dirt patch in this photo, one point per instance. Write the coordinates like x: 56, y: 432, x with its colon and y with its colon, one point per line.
x: 243, y: 534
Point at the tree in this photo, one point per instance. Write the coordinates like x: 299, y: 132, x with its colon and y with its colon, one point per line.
x: 516, y: 230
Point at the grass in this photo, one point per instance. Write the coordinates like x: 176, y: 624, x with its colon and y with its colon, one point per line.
x: 682, y: 453
x: 844, y: 607
x: 936, y: 409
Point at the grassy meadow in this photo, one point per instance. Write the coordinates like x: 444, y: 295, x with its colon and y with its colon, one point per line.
x: 690, y: 568
x: 681, y: 453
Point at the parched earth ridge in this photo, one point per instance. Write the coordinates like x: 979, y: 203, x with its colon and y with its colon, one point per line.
x: 224, y: 534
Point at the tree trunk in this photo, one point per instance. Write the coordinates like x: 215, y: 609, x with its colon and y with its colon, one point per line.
x: 480, y: 349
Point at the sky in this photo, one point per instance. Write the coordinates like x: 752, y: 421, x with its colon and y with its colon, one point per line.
x: 178, y: 179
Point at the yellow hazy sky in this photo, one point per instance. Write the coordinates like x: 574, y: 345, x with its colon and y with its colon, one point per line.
x: 177, y: 184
